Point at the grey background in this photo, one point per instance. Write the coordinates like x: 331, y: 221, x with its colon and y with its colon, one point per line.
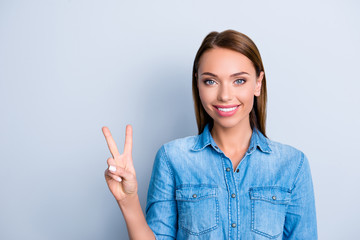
x: 67, y: 68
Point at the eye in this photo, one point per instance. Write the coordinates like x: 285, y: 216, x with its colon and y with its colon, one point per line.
x: 239, y: 81
x: 209, y: 82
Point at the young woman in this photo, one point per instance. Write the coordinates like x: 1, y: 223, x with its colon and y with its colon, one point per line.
x: 230, y: 181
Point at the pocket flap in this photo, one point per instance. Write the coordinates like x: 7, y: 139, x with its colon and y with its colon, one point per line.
x: 277, y: 195
x: 194, y: 193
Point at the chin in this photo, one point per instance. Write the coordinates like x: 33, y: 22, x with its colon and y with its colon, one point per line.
x: 229, y: 123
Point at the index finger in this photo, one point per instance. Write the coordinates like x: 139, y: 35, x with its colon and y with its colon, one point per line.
x: 111, y: 143
x: 128, y: 140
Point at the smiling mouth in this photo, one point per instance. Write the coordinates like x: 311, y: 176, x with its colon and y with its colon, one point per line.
x: 226, y: 108
x: 226, y: 111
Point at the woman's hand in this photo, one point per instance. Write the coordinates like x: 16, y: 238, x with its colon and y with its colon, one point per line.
x: 120, y: 174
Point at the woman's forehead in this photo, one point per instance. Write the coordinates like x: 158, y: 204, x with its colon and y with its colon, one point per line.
x: 225, y: 62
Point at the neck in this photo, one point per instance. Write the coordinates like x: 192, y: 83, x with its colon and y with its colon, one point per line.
x: 232, y: 139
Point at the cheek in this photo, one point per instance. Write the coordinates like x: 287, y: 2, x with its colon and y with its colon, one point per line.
x: 201, y: 95
x: 246, y: 95
x: 206, y: 96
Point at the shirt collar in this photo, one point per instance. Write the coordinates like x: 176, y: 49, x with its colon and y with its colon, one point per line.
x: 257, y: 140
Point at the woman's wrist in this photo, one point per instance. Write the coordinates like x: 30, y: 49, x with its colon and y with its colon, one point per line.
x: 135, y: 219
x: 128, y: 201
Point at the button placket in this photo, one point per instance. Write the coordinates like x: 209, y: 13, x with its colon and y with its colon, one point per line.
x: 231, y: 188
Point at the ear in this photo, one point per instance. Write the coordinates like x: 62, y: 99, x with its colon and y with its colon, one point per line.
x: 258, y: 84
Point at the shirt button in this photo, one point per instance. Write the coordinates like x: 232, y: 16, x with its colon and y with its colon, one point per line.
x: 274, y: 197
x: 233, y: 225
x: 216, y: 147
x: 228, y: 169
x: 237, y: 170
x: 233, y: 195
x: 194, y: 195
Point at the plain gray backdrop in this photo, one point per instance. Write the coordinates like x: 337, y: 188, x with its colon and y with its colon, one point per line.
x: 69, y: 67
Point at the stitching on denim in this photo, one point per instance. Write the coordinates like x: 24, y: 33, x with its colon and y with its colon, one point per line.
x: 265, y: 142
x: 270, y: 187
x: 212, y: 227
x: 252, y: 214
x: 195, y: 147
x: 196, y: 199
x: 199, y: 233
x: 253, y: 222
x: 196, y: 143
x: 280, y: 202
x: 167, y: 162
x: 266, y: 235
x: 195, y: 185
x: 208, y: 194
x: 298, y: 171
x: 227, y: 186
x: 217, y: 212
x: 237, y: 203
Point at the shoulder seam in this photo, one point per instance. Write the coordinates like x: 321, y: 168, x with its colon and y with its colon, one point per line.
x: 298, y: 171
x: 167, y: 162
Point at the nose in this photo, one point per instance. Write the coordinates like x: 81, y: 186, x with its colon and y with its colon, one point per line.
x: 225, y: 93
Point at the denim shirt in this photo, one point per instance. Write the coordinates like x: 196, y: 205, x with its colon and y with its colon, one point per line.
x: 195, y: 193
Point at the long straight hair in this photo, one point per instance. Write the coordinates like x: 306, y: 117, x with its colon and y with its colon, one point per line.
x: 241, y: 43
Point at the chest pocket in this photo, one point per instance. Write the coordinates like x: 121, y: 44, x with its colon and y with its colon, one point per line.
x: 268, y: 210
x: 198, y: 208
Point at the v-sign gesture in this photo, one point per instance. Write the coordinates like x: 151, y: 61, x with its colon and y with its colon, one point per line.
x: 120, y: 175
x: 121, y: 179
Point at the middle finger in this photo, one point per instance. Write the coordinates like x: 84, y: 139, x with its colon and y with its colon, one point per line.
x: 111, y: 143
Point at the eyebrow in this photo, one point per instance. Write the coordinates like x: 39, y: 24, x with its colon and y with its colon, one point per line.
x: 232, y: 75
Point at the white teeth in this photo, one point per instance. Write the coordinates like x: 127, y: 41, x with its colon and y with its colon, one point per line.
x: 227, y: 109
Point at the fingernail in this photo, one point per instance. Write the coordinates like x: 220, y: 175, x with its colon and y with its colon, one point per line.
x: 119, y: 179
x: 112, y: 169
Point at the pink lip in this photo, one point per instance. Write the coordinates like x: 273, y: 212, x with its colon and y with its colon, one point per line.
x: 226, y: 106
x: 226, y: 114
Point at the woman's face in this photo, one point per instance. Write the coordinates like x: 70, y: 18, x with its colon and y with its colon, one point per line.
x: 227, y: 85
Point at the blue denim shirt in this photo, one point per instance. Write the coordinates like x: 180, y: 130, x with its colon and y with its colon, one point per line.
x: 195, y: 193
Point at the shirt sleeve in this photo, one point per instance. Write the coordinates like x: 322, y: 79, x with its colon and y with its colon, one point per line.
x: 300, y: 219
x: 161, y: 211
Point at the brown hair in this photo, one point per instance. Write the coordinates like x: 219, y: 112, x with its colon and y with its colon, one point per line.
x: 241, y: 43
